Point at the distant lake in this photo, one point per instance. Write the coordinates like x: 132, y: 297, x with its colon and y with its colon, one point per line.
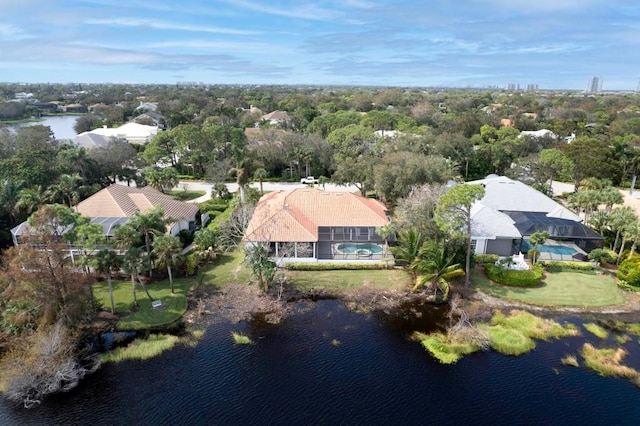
x: 370, y: 375
x: 61, y: 125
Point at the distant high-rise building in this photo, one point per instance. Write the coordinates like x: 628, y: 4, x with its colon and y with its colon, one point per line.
x: 512, y: 86
x: 595, y: 85
x: 532, y: 87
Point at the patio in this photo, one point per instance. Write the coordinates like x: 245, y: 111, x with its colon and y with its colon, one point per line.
x: 560, y: 250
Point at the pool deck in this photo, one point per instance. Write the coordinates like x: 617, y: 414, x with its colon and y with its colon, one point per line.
x: 545, y: 255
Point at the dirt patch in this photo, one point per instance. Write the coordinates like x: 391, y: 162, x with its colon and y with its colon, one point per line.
x: 235, y: 303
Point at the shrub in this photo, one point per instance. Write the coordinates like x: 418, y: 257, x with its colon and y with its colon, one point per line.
x: 629, y: 272
x: 186, y: 237
x: 563, y: 265
x: 482, y: 259
x: 514, y: 278
x: 333, y: 266
x: 603, y: 255
x: 213, y: 206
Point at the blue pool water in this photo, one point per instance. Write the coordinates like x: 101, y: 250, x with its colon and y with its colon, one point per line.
x: 352, y: 248
x: 546, y: 248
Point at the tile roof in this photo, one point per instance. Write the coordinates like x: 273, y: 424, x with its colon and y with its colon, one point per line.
x: 124, y: 201
x: 295, y: 215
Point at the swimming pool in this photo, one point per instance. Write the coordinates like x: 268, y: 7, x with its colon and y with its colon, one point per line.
x: 365, y: 249
x: 547, y: 248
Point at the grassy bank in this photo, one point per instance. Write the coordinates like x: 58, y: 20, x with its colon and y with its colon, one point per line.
x: 227, y: 268
x: 558, y: 289
x: 341, y: 280
x: 144, y: 317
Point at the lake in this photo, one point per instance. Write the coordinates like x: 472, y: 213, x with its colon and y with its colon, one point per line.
x: 61, y: 125
x: 293, y: 375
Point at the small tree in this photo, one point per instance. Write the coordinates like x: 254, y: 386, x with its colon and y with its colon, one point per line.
x: 166, y: 248
x: 453, y: 215
x: 386, y: 232
x: 262, y: 268
x: 260, y: 174
x: 436, y: 266
x: 106, y: 261
x: 537, y: 238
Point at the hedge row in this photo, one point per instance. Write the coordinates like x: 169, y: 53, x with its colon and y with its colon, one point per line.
x: 629, y: 272
x: 530, y: 278
x: 482, y: 259
x: 567, y: 264
x: 333, y: 266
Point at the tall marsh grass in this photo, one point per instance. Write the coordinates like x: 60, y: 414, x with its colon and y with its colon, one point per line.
x: 596, y: 330
x: 240, y: 339
x: 146, y: 348
x: 608, y: 362
x: 443, y: 347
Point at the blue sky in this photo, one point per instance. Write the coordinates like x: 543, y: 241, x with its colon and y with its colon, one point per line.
x: 553, y: 43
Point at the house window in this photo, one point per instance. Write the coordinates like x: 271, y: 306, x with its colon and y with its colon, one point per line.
x: 474, y: 244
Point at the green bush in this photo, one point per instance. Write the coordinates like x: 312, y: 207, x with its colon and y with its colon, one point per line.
x: 603, y: 255
x: 213, y: 205
x: 482, y: 259
x: 332, y: 266
x: 560, y: 265
x: 629, y: 272
x: 530, y: 278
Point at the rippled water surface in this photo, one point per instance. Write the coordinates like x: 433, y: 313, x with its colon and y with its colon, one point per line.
x: 292, y: 374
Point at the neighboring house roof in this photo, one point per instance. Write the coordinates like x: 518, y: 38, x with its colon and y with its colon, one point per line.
x: 295, y: 215
x: 132, y: 132
x: 90, y: 140
x: 537, y: 133
x: 504, y: 194
x: 123, y: 201
x: 276, y: 116
x: 489, y: 223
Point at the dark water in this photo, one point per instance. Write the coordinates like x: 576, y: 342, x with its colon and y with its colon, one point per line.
x: 293, y: 375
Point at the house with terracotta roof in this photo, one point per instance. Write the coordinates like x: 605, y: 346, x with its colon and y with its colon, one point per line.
x: 115, y: 204
x: 311, y: 224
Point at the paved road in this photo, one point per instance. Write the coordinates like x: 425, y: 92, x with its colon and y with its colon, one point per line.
x: 266, y: 186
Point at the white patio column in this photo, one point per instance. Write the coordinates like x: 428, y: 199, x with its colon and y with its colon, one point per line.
x: 314, y: 249
x: 295, y: 250
x: 276, y: 249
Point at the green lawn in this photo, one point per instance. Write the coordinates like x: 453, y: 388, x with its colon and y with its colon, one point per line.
x: 558, y: 289
x: 227, y: 268
x: 173, y: 305
x: 344, y: 279
x: 181, y: 195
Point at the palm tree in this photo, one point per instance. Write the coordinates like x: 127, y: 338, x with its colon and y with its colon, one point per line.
x: 630, y: 232
x: 600, y: 220
x: 610, y: 196
x: 9, y: 197
x: 408, y: 246
x: 435, y: 265
x: 105, y: 262
x: 260, y: 174
x: 29, y: 199
x: 125, y: 238
x: 242, y: 173
x: 386, y: 232
x: 149, y: 223
x: 65, y: 189
x: 537, y: 238
x: 165, y: 248
x: 621, y: 217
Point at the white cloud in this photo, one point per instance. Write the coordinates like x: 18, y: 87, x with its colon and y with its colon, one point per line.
x: 164, y: 25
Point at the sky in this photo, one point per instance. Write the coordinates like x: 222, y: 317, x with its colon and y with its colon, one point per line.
x: 556, y: 44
